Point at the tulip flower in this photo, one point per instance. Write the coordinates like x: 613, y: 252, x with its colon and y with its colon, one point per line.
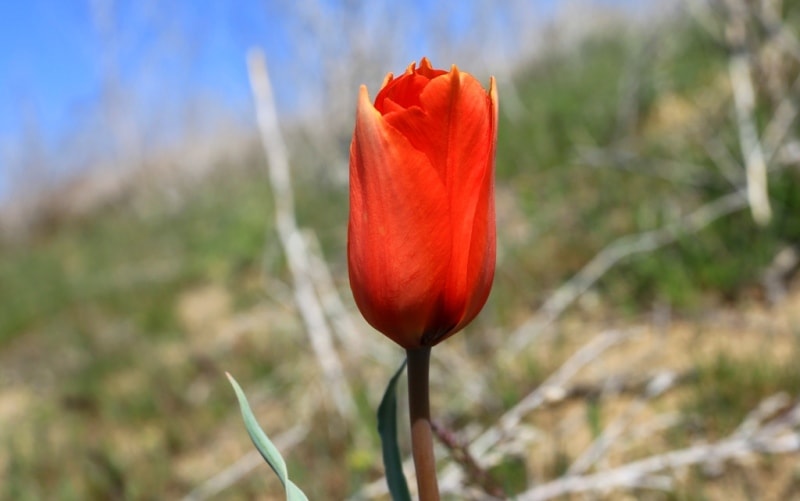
x: 421, y: 235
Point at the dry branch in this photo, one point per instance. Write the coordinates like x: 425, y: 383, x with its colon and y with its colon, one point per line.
x: 775, y: 437
x: 342, y: 321
x: 613, y: 253
x: 744, y: 98
x: 660, y: 383
x: 292, y: 240
x: 778, y: 128
x: 552, y: 387
x: 460, y: 453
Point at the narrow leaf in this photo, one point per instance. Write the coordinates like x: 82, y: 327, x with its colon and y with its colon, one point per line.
x: 387, y: 428
x: 265, y: 446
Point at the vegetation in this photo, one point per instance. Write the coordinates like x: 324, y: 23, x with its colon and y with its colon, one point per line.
x: 115, y: 329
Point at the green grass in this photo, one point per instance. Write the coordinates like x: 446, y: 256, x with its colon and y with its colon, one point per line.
x: 127, y: 263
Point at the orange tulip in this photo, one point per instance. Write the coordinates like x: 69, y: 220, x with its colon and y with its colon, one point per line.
x: 421, y: 237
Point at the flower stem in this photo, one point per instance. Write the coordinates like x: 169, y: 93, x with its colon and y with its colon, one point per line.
x: 421, y: 434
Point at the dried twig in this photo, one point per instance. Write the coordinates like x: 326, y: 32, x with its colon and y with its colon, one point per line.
x: 460, y: 453
x: 744, y: 102
x: 292, y: 241
x: 726, y: 163
x: 613, y: 253
x: 660, y: 383
x: 620, y: 386
x: 774, y: 437
x: 341, y: 320
x: 552, y: 387
x: 669, y: 170
x: 777, y: 130
x: 771, y: 20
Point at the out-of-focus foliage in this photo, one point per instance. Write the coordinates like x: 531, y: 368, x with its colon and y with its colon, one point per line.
x: 115, y: 329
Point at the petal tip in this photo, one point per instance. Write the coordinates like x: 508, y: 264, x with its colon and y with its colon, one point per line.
x: 388, y: 78
x: 363, y: 94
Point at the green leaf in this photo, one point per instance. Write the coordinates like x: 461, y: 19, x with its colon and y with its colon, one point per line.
x: 387, y: 428
x: 267, y: 449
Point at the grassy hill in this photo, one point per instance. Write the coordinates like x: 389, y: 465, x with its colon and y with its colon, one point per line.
x: 115, y: 329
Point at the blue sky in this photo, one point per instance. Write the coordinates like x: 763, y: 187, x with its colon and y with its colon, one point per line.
x: 58, y: 59
x: 41, y: 47
x: 54, y: 53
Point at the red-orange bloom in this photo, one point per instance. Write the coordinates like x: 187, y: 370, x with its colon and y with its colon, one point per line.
x: 421, y: 238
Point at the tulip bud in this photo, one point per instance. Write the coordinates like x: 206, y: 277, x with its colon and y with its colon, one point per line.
x: 421, y: 235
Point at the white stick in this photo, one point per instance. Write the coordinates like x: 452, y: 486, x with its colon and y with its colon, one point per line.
x: 451, y: 477
x: 357, y: 343
x: 292, y: 241
x: 744, y: 103
x: 657, y: 386
x: 774, y: 438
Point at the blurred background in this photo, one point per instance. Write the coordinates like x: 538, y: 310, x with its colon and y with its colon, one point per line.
x: 648, y: 198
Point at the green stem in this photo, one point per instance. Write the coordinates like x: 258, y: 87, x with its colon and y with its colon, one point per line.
x: 421, y: 433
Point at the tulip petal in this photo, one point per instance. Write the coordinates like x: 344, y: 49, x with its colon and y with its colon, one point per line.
x: 421, y: 239
x: 454, y: 127
x: 482, y: 251
x: 406, y: 90
x: 398, y: 246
